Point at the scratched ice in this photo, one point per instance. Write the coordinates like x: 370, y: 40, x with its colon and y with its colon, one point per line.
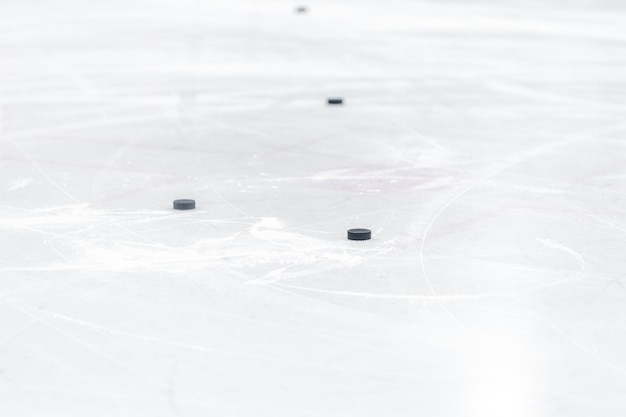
x: 482, y: 142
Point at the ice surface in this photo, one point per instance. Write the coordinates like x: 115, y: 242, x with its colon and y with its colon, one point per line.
x: 482, y: 142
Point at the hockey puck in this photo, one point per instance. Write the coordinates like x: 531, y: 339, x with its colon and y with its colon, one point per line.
x: 184, y: 204
x: 301, y: 9
x: 359, y: 234
x: 335, y: 100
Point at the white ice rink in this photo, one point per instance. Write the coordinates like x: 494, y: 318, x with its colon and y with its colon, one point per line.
x: 483, y: 142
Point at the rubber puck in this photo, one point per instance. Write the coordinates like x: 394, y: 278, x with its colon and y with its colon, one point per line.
x: 301, y: 9
x: 359, y: 234
x: 335, y: 100
x: 184, y: 204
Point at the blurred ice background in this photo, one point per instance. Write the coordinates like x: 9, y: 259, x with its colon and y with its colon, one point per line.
x: 482, y: 142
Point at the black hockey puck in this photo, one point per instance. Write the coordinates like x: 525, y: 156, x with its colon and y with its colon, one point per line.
x: 359, y: 234
x: 184, y: 204
x: 301, y: 9
x: 335, y: 100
